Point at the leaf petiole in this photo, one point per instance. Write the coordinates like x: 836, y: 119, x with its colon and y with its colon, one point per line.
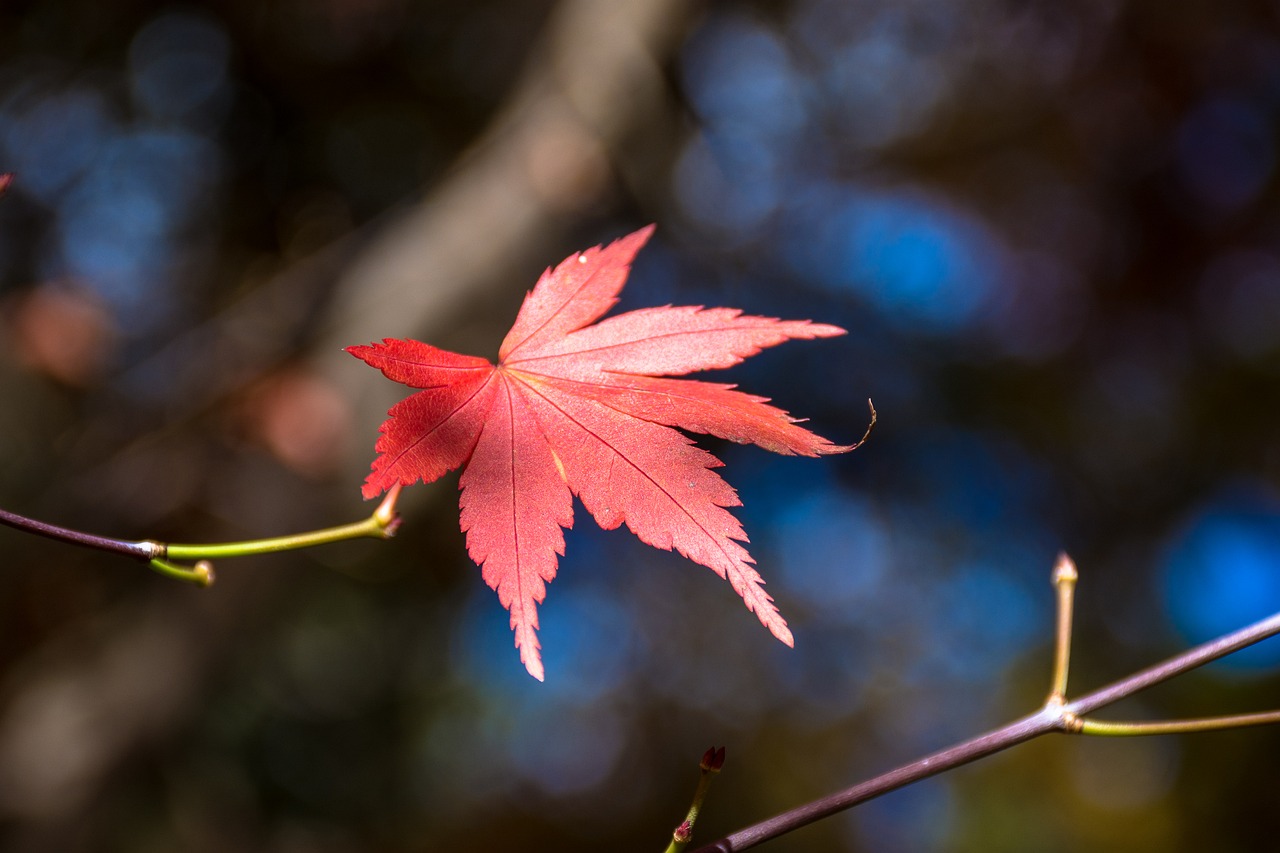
x: 160, y: 556
x: 381, y: 525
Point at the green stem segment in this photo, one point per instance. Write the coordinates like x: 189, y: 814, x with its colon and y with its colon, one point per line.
x: 712, y: 762
x: 201, y: 574
x: 1177, y: 727
x: 381, y: 525
x: 370, y: 527
x: 161, y: 556
x: 1065, y: 576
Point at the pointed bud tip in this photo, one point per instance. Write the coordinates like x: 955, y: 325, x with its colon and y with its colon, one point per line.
x: 1064, y: 571
x: 712, y: 760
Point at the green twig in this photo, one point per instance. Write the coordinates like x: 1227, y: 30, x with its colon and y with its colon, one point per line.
x: 160, y: 556
x: 1177, y: 727
x: 378, y: 526
x: 712, y: 762
x: 1064, y: 581
x: 201, y: 574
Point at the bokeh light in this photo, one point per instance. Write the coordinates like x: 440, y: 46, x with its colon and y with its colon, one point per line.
x: 1051, y: 230
x: 1220, y: 571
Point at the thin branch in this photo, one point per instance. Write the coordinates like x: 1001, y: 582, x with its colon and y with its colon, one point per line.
x: 939, y: 762
x: 1064, y: 581
x: 1177, y: 727
x: 1057, y: 716
x: 1176, y: 665
x: 144, y: 551
x: 381, y: 524
x: 711, y: 764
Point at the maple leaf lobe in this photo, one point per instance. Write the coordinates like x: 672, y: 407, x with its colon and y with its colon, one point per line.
x: 435, y: 430
x: 585, y: 407
x: 577, y: 292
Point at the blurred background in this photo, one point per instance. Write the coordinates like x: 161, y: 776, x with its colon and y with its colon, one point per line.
x: 1052, y: 231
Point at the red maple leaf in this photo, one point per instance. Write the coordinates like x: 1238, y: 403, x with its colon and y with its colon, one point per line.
x: 578, y: 409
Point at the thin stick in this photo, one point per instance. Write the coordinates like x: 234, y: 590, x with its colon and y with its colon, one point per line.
x: 144, y: 551
x: 1176, y: 665
x: 1012, y: 734
x: 356, y: 530
x: 381, y: 524
x: 1177, y: 727
x: 712, y: 762
x: 1052, y: 717
x: 1064, y: 581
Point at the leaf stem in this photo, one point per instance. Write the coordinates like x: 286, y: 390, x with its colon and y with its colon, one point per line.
x: 381, y: 524
x: 369, y: 527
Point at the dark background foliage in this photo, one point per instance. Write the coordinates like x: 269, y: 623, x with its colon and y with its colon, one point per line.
x: 1052, y: 230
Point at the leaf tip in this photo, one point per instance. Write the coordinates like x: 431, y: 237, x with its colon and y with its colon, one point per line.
x: 373, y: 486
x: 527, y: 643
x: 769, y: 616
x: 826, y: 330
x: 533, y: 663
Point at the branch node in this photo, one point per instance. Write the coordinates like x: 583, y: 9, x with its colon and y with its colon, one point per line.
x: 1064, y: 571
x: 385, y: 515
x: 153, y: 550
